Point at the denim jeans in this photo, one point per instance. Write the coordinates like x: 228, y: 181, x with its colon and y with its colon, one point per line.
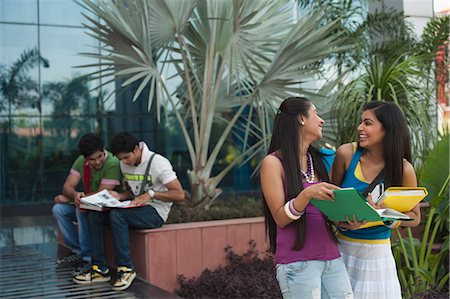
x: 78, y: 239
x: 314, y: 279
x: 120, y: 220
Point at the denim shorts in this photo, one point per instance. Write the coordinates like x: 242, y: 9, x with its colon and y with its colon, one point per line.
x: 314, y: 279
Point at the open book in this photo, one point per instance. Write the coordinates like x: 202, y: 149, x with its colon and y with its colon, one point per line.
x: 349, y: 202
x: 402, y: 199
x: 101, y: 200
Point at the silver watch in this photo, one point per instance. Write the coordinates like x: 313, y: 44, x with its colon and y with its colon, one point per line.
x: 151, y: 193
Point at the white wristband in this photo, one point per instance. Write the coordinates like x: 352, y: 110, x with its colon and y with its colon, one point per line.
x: 289, y: 213
x: 151, y: 193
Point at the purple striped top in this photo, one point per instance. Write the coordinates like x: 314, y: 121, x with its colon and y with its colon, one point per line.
x: 319, y: 245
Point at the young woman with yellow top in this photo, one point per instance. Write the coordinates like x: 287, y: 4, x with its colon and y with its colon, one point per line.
x: 383, y: 146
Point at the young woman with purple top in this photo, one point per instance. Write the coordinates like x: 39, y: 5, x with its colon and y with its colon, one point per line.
x: 308, y: 262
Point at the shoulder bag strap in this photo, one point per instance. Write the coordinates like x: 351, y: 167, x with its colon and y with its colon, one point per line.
x: 145, y: 180
x: 375, y: 181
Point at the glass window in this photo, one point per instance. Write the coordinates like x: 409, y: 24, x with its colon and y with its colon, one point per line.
x: 60, y: 149
x: 14, y: 39
x: 62, y: 12
x: 18, y: 51
x: 24, y: 11
x: 61, y: 46
x: 19, y: 111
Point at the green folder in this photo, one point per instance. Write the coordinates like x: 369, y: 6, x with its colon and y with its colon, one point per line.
x: 349, y: 202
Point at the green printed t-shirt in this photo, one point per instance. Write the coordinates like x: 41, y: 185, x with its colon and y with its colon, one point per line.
x: 109, y: 174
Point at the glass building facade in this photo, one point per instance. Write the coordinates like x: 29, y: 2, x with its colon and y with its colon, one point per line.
x: 45, y: 106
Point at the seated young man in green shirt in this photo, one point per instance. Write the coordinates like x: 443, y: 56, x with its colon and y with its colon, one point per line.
x: 95, y: 169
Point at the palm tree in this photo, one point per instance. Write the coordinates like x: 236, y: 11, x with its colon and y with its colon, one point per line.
x: 391, y: 69
x: 398, y: 81
x: 434, y: 46
x: 212, y: 63
x: 385, y: 34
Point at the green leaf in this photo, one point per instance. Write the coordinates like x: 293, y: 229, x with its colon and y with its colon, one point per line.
x: 434, y: 174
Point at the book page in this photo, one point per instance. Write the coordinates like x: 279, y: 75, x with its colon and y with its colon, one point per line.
x: 101, y: 199
x: 389, y: 213
x: 119, y: 204
x: 405, y: 193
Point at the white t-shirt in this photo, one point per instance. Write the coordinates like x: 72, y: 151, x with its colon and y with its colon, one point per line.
x: 160, y: 173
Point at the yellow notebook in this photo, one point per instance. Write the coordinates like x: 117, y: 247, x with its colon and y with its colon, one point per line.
x: 403, y: 199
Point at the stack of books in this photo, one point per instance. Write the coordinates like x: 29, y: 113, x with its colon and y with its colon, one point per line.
x: 349, y: 202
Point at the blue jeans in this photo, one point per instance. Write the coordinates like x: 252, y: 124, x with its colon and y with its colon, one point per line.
x: 121, y: 220
x: 314, y: 279
x: 78, y: 239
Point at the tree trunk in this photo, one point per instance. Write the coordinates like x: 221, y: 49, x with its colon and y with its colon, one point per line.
x: 202, y: 194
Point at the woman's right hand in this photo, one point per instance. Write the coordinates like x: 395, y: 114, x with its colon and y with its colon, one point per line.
x: 321, y: 191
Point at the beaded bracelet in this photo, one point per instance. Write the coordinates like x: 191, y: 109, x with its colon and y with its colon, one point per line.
x: 293, y: 209
x: 289, y: 213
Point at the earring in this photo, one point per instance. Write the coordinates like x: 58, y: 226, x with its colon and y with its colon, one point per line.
x: 302, y: 122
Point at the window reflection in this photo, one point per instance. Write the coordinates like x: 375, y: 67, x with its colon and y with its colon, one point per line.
x: 42, y: 120
x: 14, y: 39
x: 64, y: 93
x: 23, y: 11
x: 61, y: 12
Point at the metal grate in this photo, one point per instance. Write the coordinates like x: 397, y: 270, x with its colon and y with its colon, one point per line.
x: 26, y: 272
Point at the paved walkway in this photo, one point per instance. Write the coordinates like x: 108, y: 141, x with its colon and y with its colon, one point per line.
x: 29, y: 271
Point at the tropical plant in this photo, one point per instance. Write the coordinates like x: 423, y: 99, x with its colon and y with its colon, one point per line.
x: 383, y: 39
x: 434, y: 47
x: 213, y: 64
x: 396, y: 81
x: 385, y: 34
x: 435, y: 37
x: 420, y: 267
x: 397, y: 67
x: 349, y: 15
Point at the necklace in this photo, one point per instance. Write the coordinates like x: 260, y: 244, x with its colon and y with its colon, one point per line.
x: 309, y: 175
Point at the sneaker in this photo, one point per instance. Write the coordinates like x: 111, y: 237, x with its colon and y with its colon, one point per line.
x: 72, y: 260
x: 82, y: 269
x: 125, y: 277
x: 92, y: 275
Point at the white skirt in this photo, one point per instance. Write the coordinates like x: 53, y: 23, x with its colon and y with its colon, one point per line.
x: 372, y: 270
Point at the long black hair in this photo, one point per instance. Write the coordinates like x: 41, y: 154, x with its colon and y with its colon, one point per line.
x: 285, y: 143
x: 396, y: 142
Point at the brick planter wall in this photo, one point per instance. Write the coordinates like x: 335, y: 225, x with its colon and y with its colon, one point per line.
x: 160, y: 255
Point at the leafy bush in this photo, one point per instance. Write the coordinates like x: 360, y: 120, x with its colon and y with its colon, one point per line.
x: 421, y: 269
x: 226, y: 208
x: 244, y: 276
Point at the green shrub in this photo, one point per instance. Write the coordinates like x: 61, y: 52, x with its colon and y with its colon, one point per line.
x: 226, y: 208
